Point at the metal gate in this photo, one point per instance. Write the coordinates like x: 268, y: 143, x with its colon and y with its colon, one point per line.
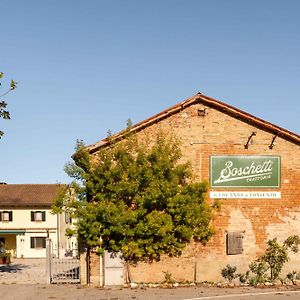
x: 61, y: 270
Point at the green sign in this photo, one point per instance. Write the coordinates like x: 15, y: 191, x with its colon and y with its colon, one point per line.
x: 245, y: 171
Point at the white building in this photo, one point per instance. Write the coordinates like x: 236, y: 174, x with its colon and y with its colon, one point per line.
x: 26, y: 221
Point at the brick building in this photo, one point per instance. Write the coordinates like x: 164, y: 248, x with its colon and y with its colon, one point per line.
x: 254, y: 169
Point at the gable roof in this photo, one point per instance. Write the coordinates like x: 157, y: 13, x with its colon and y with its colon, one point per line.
x: 28, y: 195
x: 208, y: 101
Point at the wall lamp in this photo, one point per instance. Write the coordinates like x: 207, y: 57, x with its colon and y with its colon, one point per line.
x: 273, y: 142
x: 249, y: 140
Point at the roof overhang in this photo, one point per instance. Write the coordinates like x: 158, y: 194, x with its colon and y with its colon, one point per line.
x: 11, y: 231
x: 208, y: 101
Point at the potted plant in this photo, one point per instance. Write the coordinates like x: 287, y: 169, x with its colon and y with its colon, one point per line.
x: 5, y: 255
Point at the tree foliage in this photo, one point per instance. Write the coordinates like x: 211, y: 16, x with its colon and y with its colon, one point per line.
x: 4, y: 114
x: 138, y: 199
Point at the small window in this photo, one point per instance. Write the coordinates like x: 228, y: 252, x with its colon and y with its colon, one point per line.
x: 6, y: 216
x: 234, y: 243
x: 38, y: 216
x: 38, y: 242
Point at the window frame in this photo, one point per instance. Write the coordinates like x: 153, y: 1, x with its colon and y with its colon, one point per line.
x: 34, y: 240
x: 34, y: 213
x: 9, y: 213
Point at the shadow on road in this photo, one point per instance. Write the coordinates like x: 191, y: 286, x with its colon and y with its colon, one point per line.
x: 12, y: 268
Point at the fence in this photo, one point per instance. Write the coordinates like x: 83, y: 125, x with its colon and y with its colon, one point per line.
x: 61, y: 270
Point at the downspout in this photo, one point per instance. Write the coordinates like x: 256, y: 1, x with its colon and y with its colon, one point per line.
x: 58, y: 228
x: 88, y: 268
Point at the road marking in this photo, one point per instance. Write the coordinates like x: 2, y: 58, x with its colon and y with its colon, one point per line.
x: 243, y: 295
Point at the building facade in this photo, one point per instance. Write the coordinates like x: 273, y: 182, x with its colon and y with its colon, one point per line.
x: 26, y: 221
x: 253, y: 168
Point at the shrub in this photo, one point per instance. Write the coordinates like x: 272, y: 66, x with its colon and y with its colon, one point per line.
x: 244, y: 277
x: 168, y: 277
x: 229, y: 272
x: 268, y: 267
x: 293, y: 276
x: 259, y: 268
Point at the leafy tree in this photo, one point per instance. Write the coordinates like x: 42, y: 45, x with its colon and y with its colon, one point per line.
x: 3, y: 112
x: 137, y: 199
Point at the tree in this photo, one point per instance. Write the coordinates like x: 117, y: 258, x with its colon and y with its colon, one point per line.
x: 276, y: 254
x: 3, y: 112
x: 138, y: 200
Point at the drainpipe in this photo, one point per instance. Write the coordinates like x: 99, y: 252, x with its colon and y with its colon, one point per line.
x: 88, y: 268
x: 58, y: 228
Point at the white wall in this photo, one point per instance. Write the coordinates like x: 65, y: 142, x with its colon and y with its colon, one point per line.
x: 22, y: 219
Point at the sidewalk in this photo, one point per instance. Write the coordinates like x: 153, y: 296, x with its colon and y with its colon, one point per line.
x: 24, y: 271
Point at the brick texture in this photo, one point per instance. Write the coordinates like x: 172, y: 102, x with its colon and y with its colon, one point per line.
x: 217, y: 133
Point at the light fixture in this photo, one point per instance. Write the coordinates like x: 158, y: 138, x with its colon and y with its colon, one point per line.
x: 249, y: 140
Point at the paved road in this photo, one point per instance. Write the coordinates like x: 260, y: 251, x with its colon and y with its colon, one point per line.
x: 24, y: 271
x: 40, y: 292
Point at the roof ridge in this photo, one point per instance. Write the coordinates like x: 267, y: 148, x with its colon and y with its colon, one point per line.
x: 199, y: 97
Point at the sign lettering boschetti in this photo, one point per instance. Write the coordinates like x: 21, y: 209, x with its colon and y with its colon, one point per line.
x: 245, y: 171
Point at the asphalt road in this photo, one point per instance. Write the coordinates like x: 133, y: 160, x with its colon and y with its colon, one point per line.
x: 41, y: 291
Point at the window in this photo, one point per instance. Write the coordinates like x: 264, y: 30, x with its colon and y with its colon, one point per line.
x: 234, y: 243
x: 37, y: 242
x: 38, y: 216
x: 6, y: 216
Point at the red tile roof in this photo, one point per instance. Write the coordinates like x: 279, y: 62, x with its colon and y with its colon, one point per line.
x: 208, y: 101
x: 28, y: 195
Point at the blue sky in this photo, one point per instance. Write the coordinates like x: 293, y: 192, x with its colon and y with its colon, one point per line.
x: 84, y: 67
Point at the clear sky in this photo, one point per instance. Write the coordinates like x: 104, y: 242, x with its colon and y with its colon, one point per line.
x: 84, y: 67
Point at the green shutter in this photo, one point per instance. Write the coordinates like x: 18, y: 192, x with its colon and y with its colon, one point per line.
x: 32, y: 215
x: 10, y: 216
x: 43, y: 216
x: 32, y: 242
x: 44, y: 243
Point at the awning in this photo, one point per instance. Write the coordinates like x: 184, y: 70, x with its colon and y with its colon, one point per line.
x: 8, y: 231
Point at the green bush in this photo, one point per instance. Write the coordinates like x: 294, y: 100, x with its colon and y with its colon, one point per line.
x: 229, y: 272
x: 267, y: 267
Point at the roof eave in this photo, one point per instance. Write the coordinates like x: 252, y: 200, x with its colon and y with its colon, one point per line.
x: 200, y: 98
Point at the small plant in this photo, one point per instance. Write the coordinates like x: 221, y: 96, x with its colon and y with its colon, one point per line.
x: 243, y: 277
x: 229, y: 272
x: 5, y: 254
x: 168, y: 277
x: 259, y: 268
x: 293, y: 276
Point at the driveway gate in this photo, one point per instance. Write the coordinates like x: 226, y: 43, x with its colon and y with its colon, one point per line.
x: 61, y: 270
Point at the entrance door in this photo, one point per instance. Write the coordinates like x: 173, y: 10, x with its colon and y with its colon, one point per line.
x: 113, y: 269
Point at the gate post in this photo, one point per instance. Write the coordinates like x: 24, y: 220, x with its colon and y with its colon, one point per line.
x: 48, y: 260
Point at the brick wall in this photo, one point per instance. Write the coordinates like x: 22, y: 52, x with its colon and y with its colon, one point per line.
x: 260, y: 219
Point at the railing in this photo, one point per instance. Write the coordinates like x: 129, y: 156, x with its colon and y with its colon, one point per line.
x: 65, y: 270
